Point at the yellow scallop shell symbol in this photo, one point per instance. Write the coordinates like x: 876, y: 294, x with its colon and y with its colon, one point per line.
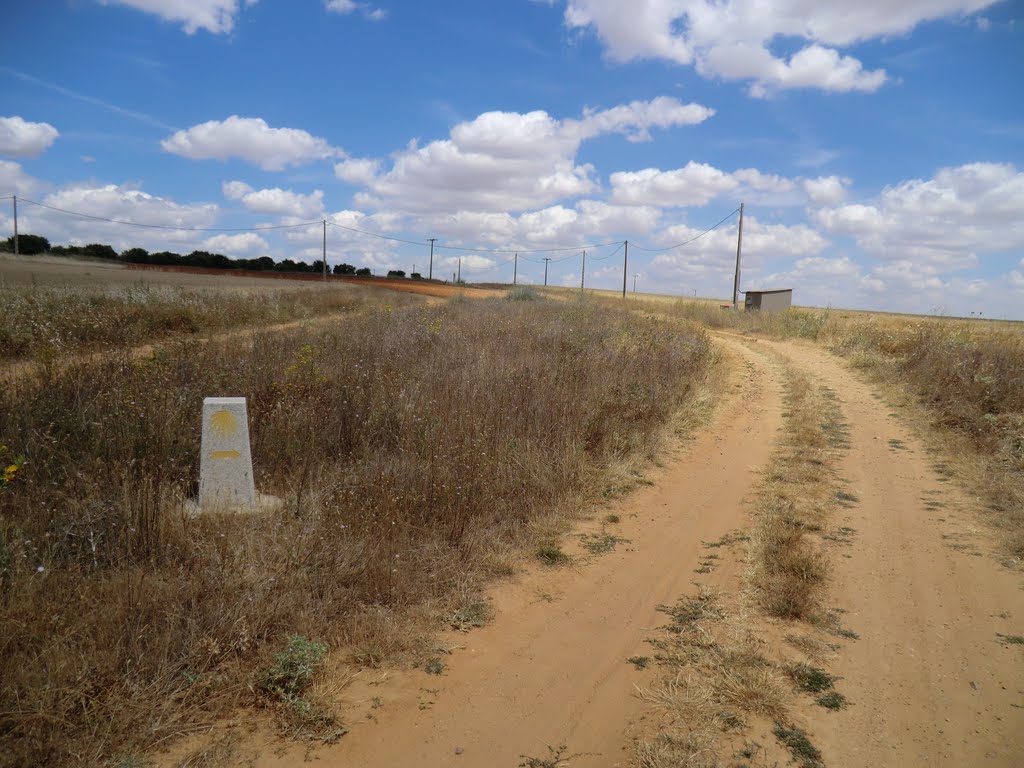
x: 223, y: 424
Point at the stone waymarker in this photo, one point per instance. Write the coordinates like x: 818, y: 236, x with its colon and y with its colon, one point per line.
x: 225, y: 466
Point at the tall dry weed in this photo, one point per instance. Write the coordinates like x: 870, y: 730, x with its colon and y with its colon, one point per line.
x: 408, y: 446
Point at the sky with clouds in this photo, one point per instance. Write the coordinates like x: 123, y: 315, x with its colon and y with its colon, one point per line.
x: 878, y: 147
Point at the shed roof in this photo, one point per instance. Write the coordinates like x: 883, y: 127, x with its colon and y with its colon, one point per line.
x: 773, y: 290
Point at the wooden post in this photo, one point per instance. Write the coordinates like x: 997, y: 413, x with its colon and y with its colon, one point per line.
x: 15, y: 225
x: 515, y: 268
x: 325, y: 249
x: 583, y: 274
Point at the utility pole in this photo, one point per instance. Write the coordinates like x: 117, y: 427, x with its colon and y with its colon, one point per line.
x: 325, y: 249
x: 634, y: 282
x: 430, y: 274
x: 15, y: 225
x: 736, y: 280
x: 583, y: 274
x: 625, y: 260
x: 546, y: 260
x: 515, y: 268
x: 459, y: 279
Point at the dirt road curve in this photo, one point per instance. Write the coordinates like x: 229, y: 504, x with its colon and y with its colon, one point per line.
x: 929, y: 681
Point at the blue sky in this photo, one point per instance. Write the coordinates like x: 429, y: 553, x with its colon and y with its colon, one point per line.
x: 878, y: 147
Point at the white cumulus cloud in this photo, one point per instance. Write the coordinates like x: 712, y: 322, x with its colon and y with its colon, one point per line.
x: 21, y: 138
x: 510, y: 161
x: 249, y: 139
x: 215, y: 16
x: 14, y: 180
x: 698, y: 184
x: 826, y: 190
x: 942, y: 222
x: 280, y: 202
x: 243, y: 244
x: 733, y: 39
x: 357, y: 170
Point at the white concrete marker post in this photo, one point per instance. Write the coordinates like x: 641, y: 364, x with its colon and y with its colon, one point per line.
x: 225, y: 466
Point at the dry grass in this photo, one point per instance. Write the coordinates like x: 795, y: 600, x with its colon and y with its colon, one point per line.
x: 789, y: 570
x: 45, y: 322
x: 718, y: 670
x: 414, y: 449
x: 716, y: 676
x: 963, y: 377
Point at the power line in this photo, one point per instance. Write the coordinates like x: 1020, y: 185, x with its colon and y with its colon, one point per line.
x: 382, y: 237
x: 602, y: 258
x: 168, y: 226
x: 687, y: 242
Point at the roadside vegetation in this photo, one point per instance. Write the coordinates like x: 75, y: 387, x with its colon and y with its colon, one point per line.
x: 45, y: 322
x: 963, y: 376
x: 419, y: 452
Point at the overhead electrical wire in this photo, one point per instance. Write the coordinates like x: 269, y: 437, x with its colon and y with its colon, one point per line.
x: 602, y: 258
x: 687, y: 242
x: 374, y: 234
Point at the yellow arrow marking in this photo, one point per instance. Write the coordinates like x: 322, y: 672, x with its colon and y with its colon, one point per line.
x: 224, y: 454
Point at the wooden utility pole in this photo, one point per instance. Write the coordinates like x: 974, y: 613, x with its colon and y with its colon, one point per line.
x: 583, y: 273
x: 739, y: 249
x: 430, y: 273
x: 459, y: 278
x: 625, y: 261
x: 546, y: 260
x: 515, y: 268
x: 15, y: 225
x: 325, y: 249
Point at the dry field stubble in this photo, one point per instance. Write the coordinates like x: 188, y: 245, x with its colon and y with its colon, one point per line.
x: 962, y: 381
x: 413, y: 448
x: 46, y: 322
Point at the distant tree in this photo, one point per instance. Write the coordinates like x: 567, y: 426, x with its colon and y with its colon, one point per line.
x: 165, y: 258
x: 344, y: 269
x: 363, y: 272
x: 135, y: 256
x: 286, y: 265
x: 98, y: 251
x: 396, y: 273
x: 317, y: 267
x: 264, y: 262
x: 29, y: 245
x: 416, y: 276
x: 208, y: 260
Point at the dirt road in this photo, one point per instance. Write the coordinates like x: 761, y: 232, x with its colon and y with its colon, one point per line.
x: 929, y: 679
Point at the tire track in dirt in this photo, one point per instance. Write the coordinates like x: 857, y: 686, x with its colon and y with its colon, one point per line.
x: 928, y: 680
x: 552, y: 669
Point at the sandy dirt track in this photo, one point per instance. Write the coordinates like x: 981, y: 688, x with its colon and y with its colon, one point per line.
x: 929, y: 681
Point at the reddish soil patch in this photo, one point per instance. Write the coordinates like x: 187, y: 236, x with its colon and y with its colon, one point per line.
x: 422, y: 287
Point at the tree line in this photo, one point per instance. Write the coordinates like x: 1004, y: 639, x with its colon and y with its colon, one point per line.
x: 32, y: 245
